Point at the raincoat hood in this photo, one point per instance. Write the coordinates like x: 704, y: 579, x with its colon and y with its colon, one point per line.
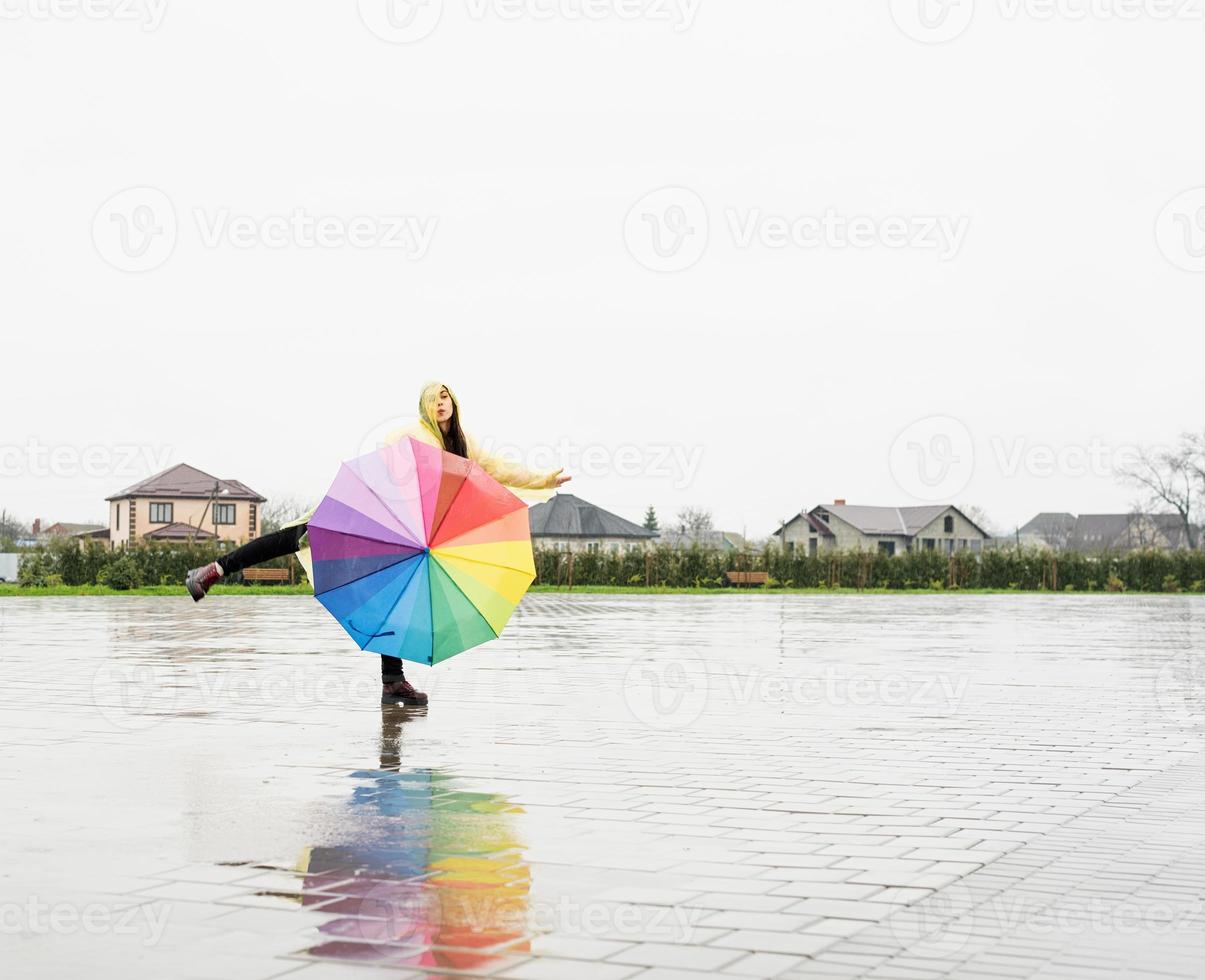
x: 428, y: 398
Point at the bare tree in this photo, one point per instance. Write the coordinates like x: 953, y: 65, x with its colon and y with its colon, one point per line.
x: 979, y: 516
x: 1171, y: 478
x: 694, y: 519
x: 280, y: 510
x: 10, y: 528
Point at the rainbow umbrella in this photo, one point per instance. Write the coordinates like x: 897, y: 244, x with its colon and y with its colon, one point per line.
x: 418, y: 553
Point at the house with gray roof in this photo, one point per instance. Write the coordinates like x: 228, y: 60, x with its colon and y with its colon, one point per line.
x: 568, y: 523
x: 703, y: 540
x: 1114, y: 533
x: 856, y: 527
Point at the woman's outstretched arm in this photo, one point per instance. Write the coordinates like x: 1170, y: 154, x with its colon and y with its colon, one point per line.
x: 512, y: 474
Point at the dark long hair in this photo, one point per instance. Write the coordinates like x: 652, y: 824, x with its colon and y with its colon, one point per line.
x: 454, y: 440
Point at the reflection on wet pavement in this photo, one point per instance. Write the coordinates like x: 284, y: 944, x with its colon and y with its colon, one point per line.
x: 430, y: 876
x: 662, y: 788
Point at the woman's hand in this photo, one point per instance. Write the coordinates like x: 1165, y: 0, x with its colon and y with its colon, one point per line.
x: 559, y: 479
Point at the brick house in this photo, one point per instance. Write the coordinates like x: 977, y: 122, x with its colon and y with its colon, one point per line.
x: 181, y: 503
x: 850, y: 527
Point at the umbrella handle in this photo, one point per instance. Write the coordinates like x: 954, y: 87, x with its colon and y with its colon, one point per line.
x: 371, y: 636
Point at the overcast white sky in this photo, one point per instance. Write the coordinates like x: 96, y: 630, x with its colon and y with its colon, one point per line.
x: 1023, y: 262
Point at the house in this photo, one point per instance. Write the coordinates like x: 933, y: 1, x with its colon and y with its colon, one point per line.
x: 183, y: 502
x: 1095, y: 533
x: 1049, y: 529
x: 81, y: 533
x: 1127, y: 532
x: 568, y: 523
x: 853, y: 527
x: 703, y: 540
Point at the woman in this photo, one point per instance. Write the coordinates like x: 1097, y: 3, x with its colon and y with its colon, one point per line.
x: 438, y: 425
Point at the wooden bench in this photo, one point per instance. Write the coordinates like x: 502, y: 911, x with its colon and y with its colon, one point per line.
x: 748, y: 578
x: 268, y: 575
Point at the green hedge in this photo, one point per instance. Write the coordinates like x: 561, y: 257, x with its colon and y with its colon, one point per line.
x: 1025, y: 570
x: 64, y: 562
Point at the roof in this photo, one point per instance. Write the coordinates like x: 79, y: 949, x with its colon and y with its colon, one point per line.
x: 904, y: 521
x: 1112, y: 530
x: 567, y: 516
x: 1049, y: 522
x: 707, y: 540
x: 183, y: 480
x: 814, y: 523
x: 66, y: 528
x: 178, y: 532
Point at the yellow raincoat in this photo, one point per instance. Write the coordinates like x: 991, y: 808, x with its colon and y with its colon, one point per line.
x: 527, y: 484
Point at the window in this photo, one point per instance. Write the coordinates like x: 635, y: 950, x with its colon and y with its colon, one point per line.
x: 592, y: 547
x: 223, y: 513
x: 929, y: 544
x: 950, y: 546
x: 976, y: 544
x: 118, y: 509
x: 812, y: 546
x: 962, y: 544
x: 161, y: 513
x: 887, y: 547
x: 790, y: 547
x: 948, y: 524
x: 824, y: 517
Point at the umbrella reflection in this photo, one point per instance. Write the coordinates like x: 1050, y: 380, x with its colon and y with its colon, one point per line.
x: 433, y: 877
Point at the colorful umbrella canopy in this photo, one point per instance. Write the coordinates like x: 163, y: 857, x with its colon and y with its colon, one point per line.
x: 418, y: 553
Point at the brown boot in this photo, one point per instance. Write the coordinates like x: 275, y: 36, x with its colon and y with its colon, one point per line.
x: 394, y: 692
x: 200, y: 580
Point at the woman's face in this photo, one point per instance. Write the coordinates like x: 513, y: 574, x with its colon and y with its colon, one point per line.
x: 443, y: 406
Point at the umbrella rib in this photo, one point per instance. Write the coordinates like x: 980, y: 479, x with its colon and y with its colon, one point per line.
x: 452, y: 502
x: 469, y: 601
x: 477, y: 561
x: 388, y: 509
x: 350, y: 581
x: 363, y: 537
x: 406, y: 588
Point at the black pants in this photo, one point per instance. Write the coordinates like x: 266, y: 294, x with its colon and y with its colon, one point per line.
x: 277, y: 545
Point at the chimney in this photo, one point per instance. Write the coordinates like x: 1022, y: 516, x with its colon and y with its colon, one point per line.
x: 839, y: 502
x: 37, y: 526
